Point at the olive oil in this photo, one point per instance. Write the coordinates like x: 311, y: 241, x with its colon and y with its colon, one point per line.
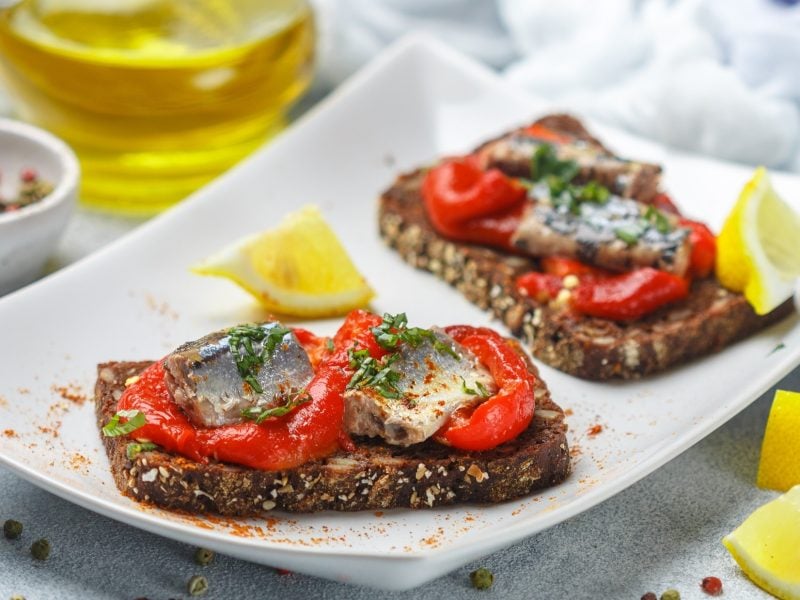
x: 156, y: 96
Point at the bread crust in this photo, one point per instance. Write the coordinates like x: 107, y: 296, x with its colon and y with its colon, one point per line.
x: 710, y: 319
x: 373, y: 477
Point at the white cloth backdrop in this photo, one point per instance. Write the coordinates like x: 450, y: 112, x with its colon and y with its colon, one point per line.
x: 719, y: 77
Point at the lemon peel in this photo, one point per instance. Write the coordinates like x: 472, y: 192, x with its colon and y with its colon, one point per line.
x: 779, y: 467
x: 757, y: 249
x: 299, y: 268
x: 765, y: 546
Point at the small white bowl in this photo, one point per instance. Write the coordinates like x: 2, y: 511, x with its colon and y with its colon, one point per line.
x: 29, y: 235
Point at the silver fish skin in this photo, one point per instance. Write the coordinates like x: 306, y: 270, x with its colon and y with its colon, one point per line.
x: 432, y: 384
x: 512, y: 154
x: 203, y: 379
x: 591, y: 236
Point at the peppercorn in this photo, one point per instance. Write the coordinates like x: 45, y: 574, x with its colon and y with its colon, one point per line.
x: 12, y: 529
x: 712, y: 586
x: 28, y: 175
x: 650, y: 596
x: 40, y: 549
x: 671, y: 594
x: 481, y: 579
x: 197, y: 586
x: 203, y: 556
x: 17, y: 597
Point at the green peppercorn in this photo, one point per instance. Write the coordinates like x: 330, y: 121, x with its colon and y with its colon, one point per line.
x: 197, y: 586
x: 671, y: 594
x: 482, y: 579
x: 203, y: 556
x: 12, y: 529
x: 40, y: 549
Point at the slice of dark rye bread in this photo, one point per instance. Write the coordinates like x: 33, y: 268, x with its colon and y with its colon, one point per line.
x: 707, y: 321
x: 374, y: 477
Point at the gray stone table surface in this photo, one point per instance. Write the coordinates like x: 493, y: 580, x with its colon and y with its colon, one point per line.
x: 662, y: 532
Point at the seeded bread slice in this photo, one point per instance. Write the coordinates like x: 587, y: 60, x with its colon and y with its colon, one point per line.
x: 374, y: 477
x: 707, y: 321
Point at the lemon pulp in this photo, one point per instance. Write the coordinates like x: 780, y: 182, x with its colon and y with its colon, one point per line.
x: 779, y: 467
x: 757, y: 250
x: 300, y: 268
x: 767, y: 546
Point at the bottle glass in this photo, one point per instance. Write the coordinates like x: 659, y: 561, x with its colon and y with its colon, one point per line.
x: 156, y: 96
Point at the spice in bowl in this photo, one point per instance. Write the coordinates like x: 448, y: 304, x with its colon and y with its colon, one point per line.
x: 30, y: 190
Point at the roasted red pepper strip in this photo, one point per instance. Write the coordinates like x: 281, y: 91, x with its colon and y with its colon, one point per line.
x: 540, y: 132
x: 665, y: 204
x: 545, y: 286
x: 629, y: 296
x: 704, y: 248
x: 561, y: 267
x: 166, y: 424
x: 310, y: 431
x: 506, y: 414
x: 468, y: 204
x: 542, y: 287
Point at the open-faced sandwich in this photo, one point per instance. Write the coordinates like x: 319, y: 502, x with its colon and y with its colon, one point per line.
x: 579, y: 252
x: 381, y: 415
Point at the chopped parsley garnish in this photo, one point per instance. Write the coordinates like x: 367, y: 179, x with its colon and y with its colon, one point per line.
x: 394, y: 329
x: 593, y: 192
x: 135, y: 448
x: 290, y: 402
x: 480, y: 391
x: 134, y: 420
x: 657, y: 219
x: 241, y: 340
x: 545, y: 162
x: 377, y: 374
x: 629, y: 234
x: 632, y: 231
x: 780, y: 346
x: 390, y: 335
x: 558, y: 175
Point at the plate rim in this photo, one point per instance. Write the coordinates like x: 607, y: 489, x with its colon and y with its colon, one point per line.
x: 488, y: 537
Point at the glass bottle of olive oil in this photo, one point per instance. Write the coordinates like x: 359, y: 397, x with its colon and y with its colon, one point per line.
x: 156, y: 96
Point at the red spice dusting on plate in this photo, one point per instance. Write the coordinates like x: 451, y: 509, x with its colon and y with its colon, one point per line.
x: 378, y: 513
x: 10, y: 433
x: 162, y: 308
x: 574, y: 450
x: 71, y: 392
x: 78, y: 462
x: 23, y: 390
x: 50, y: 430
x: 712, y: 586
x: 568, y: 412
x: 595, y: 429
x: 3, y: 402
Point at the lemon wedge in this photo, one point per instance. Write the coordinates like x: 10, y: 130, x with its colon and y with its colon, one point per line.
x: 757, y: 250
x: 766, y: 546
x: 299, y: 268
x: 779, y: 467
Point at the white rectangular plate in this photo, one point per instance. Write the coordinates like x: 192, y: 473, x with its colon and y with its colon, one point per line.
x: 137, y: 300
